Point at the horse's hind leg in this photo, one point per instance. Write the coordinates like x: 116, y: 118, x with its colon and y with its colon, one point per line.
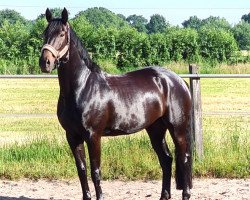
x: 183, y: 151
x: 157, y: 133
x: 178, y: 120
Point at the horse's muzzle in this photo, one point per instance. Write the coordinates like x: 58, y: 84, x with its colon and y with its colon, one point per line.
x: 47, y: 62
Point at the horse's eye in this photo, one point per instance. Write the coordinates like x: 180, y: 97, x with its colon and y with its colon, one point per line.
x: 62, y: 35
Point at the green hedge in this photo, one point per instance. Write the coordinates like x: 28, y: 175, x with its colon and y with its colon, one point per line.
x: 125, y: 47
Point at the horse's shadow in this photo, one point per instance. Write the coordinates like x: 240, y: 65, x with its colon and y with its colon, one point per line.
x: 18, y: 198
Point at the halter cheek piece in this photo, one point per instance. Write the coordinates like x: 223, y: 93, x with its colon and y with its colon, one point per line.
x: 59, y: 54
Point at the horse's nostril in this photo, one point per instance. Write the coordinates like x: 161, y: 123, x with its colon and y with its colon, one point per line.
x: 47, y: 62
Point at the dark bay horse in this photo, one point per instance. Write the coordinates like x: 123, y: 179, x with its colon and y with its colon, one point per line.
x: 93, y: 103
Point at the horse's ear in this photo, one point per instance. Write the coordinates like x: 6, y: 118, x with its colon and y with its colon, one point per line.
x: 48, y: 15
x: 64, y: 16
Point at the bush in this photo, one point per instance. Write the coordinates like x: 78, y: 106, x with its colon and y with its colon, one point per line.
x: 217, y: 45
x: 184, y: 44
x: 131, y: 47
x: 242, y: 35
x: 126, y: 47
x: 159, y: 49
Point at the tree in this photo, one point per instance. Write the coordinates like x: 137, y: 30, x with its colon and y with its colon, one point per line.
x: 184, y: 44
x: 157, y: 24
x: 11, y: 16
x: 104, y: 44
x: 242, y: 34
x: 35, y: 41
x: 103, y: 17
x: 122, y: 16
x: 138, y: 22
x: 131, y: 47
x: 246, y: 18
x: 216, y: 23
x: 159, y: 49
x: 84, y: 30
x: 14, y: 39
x: 34, y: 44
x: 217, y: 45
x: 193, y: 22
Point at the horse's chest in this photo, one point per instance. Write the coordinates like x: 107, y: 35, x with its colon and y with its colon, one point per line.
x: 69, y: 116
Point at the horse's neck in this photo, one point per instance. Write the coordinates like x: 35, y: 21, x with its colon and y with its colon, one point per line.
x: 72, y: 75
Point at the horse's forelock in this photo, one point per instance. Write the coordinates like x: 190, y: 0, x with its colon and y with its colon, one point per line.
x: 53, y: 26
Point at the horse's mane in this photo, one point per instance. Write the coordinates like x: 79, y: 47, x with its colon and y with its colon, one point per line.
x: 83, y: 52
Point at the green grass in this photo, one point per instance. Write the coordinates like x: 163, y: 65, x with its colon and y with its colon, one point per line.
x: 20, y: 130
x: 225, y: 95
x: 226, y: 154
x: 39, y: 158
x: 206, y: 68
x: 226, y: 147
x: 28, y: 95
x: 36, y: 147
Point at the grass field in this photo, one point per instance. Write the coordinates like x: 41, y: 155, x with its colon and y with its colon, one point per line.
x: 35, y: 146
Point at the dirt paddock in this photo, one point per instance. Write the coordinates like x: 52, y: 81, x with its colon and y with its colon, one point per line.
x: 212, y: 189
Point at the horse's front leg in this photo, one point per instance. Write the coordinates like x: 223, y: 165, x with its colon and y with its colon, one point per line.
x: 94, y: 148
x: 77, y: 147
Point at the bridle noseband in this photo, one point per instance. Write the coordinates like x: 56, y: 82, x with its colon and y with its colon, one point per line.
x: 59, y: 54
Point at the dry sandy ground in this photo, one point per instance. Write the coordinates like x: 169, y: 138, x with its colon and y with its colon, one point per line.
x: 117, y: 190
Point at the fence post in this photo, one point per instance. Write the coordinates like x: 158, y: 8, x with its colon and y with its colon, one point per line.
x: 195, y: 89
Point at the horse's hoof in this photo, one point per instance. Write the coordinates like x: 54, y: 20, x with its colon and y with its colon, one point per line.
x: 165, y: 196
x: 186, y: 197
x: 101, y: 198
x: 186, y: 194
x: 86, y: 198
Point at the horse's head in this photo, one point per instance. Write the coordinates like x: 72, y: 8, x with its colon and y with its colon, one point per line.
x: 56, y: 42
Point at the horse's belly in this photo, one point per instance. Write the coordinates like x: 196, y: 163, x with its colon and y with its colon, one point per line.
x: 127, y: 126
x: 134, y: 122
x: 137, y: 115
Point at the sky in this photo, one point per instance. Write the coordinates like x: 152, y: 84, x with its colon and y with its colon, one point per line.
x: 175, y: 11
